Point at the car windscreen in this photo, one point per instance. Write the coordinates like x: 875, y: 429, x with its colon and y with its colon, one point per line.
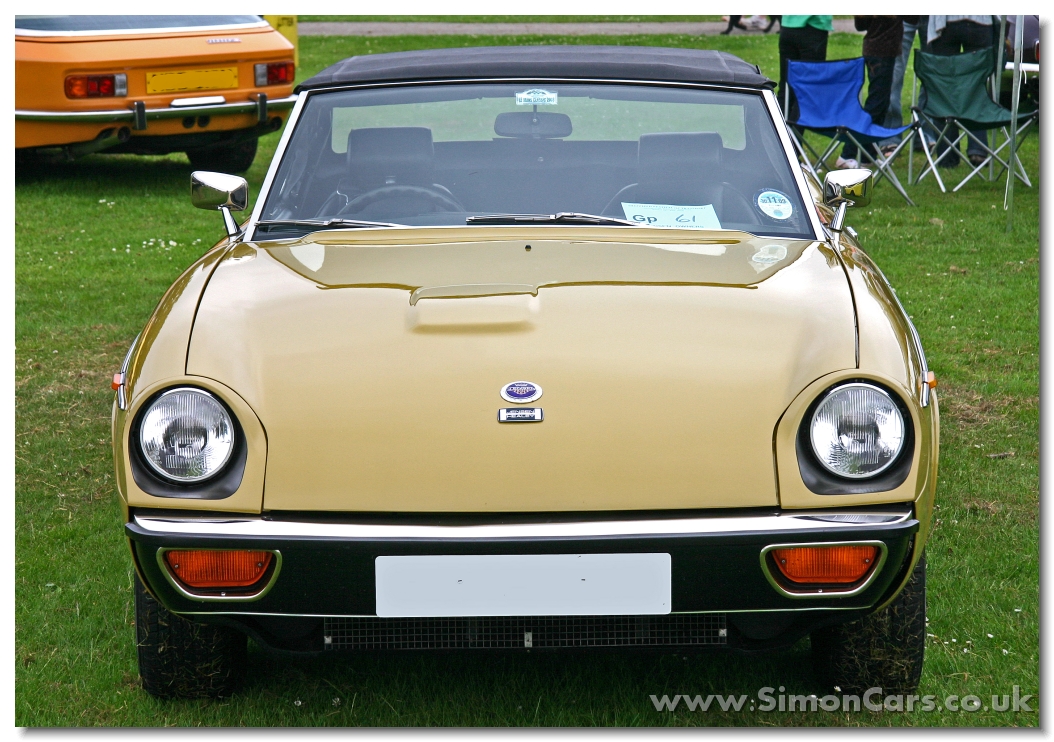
x: 121, y: 23
x: 441, y: 154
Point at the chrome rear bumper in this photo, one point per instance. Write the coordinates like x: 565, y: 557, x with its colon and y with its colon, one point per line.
x: 129, y: 114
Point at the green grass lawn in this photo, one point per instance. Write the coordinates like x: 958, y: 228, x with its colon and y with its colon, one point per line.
x: 98, y: 242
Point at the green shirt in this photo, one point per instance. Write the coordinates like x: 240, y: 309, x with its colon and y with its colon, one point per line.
x: 822, y: 22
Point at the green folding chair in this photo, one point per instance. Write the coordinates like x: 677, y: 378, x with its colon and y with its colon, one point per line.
x: 958, y: 106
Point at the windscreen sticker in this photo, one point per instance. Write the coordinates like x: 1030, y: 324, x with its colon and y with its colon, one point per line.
x: 774, y: 205
x: 536, y: 97
x: 670, y: 215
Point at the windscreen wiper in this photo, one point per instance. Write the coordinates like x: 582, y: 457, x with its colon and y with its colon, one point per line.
x: 324, y: 223
x: 564, y: 217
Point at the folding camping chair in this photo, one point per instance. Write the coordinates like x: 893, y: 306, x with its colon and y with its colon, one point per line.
x: 828, y: 95
x: 958, y: 106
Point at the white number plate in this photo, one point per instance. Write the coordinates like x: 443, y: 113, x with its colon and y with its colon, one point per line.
x: 523, y: 585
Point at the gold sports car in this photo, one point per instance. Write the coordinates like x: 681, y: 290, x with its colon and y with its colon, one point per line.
x: 530, y: 348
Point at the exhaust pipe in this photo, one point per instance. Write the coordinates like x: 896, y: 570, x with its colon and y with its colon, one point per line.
x: 107, y: 138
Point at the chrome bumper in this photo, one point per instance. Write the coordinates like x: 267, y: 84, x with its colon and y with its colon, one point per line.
x: 328, y: 566
x: 254, y: 527
x: 129, y: 114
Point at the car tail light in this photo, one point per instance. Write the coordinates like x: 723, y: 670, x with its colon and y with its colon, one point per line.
x: 274, y: 73
x: 97, y: 86
x: 825, y: 565
x: 216, y: 568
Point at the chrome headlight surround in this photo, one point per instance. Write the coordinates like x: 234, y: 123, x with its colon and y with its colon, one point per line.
x: 221, y: 480
x: 821, y: 479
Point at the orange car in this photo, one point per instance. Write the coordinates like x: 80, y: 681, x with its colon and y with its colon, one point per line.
x: 205, y: 85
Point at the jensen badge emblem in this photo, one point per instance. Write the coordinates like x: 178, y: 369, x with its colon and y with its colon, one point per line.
x: 521, y: 392
x: 520, y: 415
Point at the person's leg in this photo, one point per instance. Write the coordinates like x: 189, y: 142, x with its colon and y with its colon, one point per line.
x: 879, y: 85
x: 973, y: 37
x: 947, y: 45
x: 790, y: 48
x: 812, y: 48
x: 814, y: 45
x: 733, y: 22
x: 895, y: 115
x: 879, y: 81
x: 773, y: 20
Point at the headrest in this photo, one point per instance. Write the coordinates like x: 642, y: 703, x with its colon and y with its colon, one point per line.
x: 394, y: 155
x: 677, y: 159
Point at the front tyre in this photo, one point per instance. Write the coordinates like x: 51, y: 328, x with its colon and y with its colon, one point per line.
x: 226, y: 158
x: 183, y: 659
x: 883, y: 650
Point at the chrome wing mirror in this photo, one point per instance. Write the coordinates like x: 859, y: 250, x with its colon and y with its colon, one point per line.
x: 220, y: 192
x: 844, y: 188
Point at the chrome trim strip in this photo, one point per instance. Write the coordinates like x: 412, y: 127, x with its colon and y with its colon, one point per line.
x: 541, y: 79
x: 218, y: 598
x: 924, y: 392
x: 128, y: 114
x: 259, y: 528
x: 272, y: 169
x: 799, y: 175
x: 32, y: 32
x: 883, y: 552
x: 122, y: 398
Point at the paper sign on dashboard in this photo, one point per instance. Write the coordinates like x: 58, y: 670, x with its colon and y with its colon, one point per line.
x: 670, y: 215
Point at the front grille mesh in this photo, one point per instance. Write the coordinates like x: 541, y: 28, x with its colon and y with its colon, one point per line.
x: 524, y: 632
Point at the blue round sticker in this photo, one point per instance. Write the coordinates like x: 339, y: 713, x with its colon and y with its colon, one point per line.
x: 521, y: 392
x: 774, y: 204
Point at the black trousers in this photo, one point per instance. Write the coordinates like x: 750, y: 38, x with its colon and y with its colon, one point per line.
x: 879, y: 87
x: 808, y: 44
x: 959, y: 37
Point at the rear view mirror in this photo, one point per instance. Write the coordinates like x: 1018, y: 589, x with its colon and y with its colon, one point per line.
x: 219, y: 192
x: 843, y: 188
x: 532, y: 125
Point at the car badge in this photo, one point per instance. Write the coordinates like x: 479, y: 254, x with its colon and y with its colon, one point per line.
x: 520, y: 415
x: 521, y: 392
x: 224, y: 40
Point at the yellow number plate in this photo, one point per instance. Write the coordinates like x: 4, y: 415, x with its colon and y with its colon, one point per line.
x: 190, y: 80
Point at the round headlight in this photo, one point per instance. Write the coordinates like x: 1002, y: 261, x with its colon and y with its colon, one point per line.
x: 186, y: 435
x: 857, y: 431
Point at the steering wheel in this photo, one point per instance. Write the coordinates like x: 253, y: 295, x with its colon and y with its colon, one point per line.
x: 449, y: 203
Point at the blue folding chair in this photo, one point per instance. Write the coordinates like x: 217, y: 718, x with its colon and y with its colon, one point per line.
x: 828, y: 95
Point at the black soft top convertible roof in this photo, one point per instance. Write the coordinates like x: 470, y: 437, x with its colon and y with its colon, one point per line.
x: 575, y: 62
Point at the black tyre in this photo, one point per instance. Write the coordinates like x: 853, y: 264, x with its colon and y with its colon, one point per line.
x: 183, y: 659
x: 228, y: 158
x: 884, y: 650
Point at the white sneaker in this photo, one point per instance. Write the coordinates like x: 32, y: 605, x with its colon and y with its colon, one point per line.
x: 849, y: 164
